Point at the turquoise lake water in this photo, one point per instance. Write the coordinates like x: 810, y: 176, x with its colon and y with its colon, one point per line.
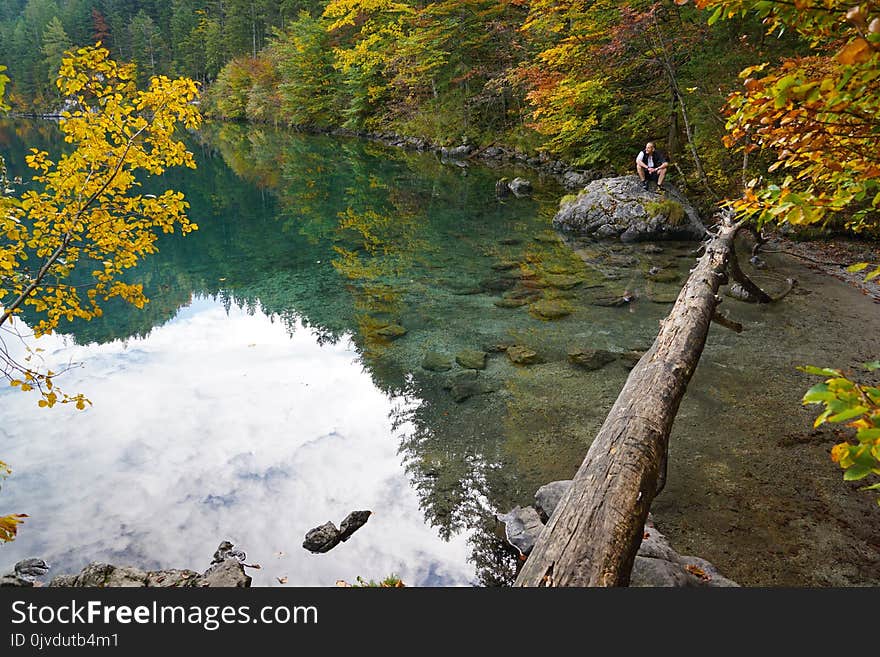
x: 275, y: 381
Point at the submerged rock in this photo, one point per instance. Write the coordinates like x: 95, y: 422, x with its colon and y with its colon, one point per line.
x: 436, y: 362
x: 522, y: 355
x: 497, y: 284
x: 631, y: 358
x: 392, y: 331
x: 465, y: 385
x: 590, y: 359
x: 508, y: 302
x: 620, y: 208
x: 659, y: 275
x: 564, y: 281
x: 471, y: 359
x: 613, y: 302
x: 550, y: 309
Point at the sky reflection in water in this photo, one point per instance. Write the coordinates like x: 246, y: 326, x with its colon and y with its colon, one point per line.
x: 219, y: 426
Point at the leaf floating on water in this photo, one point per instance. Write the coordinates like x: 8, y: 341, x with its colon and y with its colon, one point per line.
x: 255, y: 566
x: 282, y: 580
x: 341, y: 583
x: 278, y: 555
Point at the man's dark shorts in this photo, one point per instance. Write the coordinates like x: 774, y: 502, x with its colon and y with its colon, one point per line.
x: 652, y: 176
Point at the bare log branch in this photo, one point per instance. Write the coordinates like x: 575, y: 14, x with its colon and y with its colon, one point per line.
x: 722, y: 320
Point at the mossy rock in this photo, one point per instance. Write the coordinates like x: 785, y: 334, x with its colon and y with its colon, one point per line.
x: 590, y: 359
x: 671, y: 211
x: 564, y: 281
x: 550, y: 309
x: 522, y: 355
x: 664, y: 276
x: 630, y: 359
x: 391, y: 331
x: 436, y: 362
x: 506, y: 302
x: 505, y: 266
x: 547, y: 238
x: 471, y: 359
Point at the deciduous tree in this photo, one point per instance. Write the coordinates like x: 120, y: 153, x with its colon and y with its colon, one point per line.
x: 67, y: 241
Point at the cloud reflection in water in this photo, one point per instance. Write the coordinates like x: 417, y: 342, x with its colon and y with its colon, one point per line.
x: 218, y: 426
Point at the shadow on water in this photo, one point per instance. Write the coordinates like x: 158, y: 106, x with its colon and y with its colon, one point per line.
x: 391, y: 267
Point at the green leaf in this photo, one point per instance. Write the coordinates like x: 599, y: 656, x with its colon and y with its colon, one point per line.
x: 818, y: 393
x: 856, y: 472
x: 865, y: 435
x: 874, y: 274
x: 821, y: 419
x: 873, y: 365
x: 859, y: 266
x: 820, y: 371
x: 848, y: 414
x: 872, y: 487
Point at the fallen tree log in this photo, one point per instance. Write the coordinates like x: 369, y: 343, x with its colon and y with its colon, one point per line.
x: 592, y: 537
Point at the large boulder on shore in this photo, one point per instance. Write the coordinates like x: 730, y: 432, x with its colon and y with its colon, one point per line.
x: 621, y: 208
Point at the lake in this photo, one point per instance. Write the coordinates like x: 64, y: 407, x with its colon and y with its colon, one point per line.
x: 297, y: 361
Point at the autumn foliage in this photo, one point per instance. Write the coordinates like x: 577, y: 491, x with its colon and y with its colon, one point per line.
x: 817, y: 114
x: 68, y: 239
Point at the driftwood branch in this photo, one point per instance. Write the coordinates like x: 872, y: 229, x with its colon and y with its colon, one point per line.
x: 592, y: 537
x: 723, y: 320
x: 754, y: 292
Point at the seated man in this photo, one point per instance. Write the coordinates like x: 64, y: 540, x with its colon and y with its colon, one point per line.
x: 651, y: 165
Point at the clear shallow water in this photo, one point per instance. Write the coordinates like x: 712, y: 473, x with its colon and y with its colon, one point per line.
x: 260, y: 393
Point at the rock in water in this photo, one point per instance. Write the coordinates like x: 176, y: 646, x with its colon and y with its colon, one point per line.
x: 520, y: 187
x: 522, y: 528
x: 436, y: 362
x: 550, y: 309
x: 522, y: 355
x: 590, y: 359
x: 353, y: 521
x: 228, y: 574
x: 322, y: 539
x: 391, y: 331
x: 620, y: 208
x: 471, y: 359
x: 226, y: 550
x: 465, y: 385
x: 31, y: 569
x: 548, y: 496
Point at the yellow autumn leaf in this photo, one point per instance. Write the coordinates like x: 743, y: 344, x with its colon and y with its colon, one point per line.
x: 855, y: 52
